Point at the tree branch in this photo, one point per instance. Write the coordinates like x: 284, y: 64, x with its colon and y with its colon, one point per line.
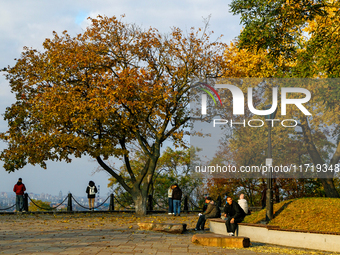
x: 114, y: 174
x: 127, y: 161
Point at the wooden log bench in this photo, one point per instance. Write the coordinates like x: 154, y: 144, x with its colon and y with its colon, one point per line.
x: 211, y: 239
x: 174, y: 228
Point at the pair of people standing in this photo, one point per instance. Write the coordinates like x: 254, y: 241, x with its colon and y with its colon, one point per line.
x: 19, y: 189
x: 174, y: 199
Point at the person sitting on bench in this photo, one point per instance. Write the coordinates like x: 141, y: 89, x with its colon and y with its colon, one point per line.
x: 234, y: 214
x: 212, y: 212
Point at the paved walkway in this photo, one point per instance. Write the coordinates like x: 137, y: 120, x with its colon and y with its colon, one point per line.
x: 102, y: 235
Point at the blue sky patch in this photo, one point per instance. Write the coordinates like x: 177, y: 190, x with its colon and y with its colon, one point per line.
x: 81, y: 16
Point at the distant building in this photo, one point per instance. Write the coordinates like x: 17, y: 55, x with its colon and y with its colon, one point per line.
x: 4, y: 195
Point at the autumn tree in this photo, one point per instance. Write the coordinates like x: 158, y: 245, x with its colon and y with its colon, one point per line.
x: 304, y: 34
x: 101, y: 91
x: 276, y: 25
x: 172, y: 167
x: 39, y: 205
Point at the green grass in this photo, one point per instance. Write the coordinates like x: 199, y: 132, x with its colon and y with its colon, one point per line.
x: 314, y: 214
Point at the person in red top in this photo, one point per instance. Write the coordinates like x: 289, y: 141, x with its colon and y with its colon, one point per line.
x: 19, y: 190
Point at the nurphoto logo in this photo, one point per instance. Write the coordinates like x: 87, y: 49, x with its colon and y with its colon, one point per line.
x: 238, y: 104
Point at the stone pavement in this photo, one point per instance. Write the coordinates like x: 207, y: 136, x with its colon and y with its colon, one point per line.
x: 103, y: 242
x: 100, y: 235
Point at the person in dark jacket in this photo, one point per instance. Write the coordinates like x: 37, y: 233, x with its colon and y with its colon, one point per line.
x: 19, y: 190
x: 205, y: 206
x: 176, y: 199
x: 212, y: 211
x: 91, y: 191
x: 234, y: 214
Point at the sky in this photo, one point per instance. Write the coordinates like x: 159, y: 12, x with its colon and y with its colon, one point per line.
x: 29, y: 23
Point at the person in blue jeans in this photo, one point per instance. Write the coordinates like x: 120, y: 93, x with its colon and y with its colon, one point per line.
x: 19, y: 189
x: 171, y: 210
x: 176, y: 198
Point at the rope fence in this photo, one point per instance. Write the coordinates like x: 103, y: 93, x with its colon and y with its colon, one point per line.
x: 195, y: 206
x: 159, y: 205
x: 4, y: 209
x: 46, y: 209
x: 151, y: 201
x: 115, y: 198
x: 88, y: 208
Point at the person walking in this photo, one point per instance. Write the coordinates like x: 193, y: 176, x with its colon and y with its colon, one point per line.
x: 19, y: 189
x: 213, y: 211
x: 171, y: 210
x: 176, y: 198
x: 91, y: 191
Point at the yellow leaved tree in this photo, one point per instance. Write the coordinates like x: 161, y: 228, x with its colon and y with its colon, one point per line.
x: 310, y: 143
x: 101, y: 91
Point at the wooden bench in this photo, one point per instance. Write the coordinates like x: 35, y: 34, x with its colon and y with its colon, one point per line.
x: 174, y: 228
x: 211, y: 239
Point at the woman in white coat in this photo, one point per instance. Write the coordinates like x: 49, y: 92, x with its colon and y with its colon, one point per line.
x: 243, y: 203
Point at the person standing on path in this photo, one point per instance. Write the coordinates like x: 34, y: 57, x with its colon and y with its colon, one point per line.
x: 176, y: 198
x: 91, y: 191
x: 171, y: 210
x: 19, y: 190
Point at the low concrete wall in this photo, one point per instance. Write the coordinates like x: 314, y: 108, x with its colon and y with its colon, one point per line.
x: 323, y: 241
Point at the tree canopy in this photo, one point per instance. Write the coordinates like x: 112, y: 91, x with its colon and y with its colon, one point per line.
x: 101, y: 91
x: 276, y: 25
x: 307, y: 32
x: 305, y: 36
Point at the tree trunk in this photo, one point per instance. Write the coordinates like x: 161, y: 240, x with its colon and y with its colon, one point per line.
x: 138, y: 191
x: 327, y: 178
x: 140, y: 204
x: 328, y: 185
x: 140, y: 183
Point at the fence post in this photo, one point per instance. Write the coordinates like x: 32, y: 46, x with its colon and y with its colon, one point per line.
x: 69, y: 203
x: 150, y: 202
x: 25, y: 202
x: 186, y: 208
x: 219, y: 201
x: 112, y: 203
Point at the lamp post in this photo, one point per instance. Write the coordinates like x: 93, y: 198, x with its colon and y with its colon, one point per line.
x: 269, y: 162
